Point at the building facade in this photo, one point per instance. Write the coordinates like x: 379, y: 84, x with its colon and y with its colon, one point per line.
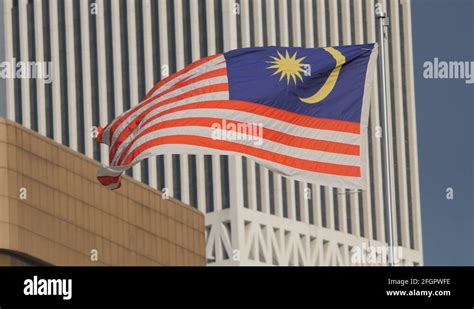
x: 106, y: 54
x: 53, y: 212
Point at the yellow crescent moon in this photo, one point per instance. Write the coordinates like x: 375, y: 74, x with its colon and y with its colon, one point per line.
x: 328, y: 86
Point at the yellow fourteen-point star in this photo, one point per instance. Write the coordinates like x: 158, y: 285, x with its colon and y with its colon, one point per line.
x: 289, y: 67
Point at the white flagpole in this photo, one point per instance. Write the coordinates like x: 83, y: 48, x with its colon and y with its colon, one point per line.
x: 382, y: 20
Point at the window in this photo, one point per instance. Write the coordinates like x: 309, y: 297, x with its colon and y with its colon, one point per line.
x: 209, y: 184
x: 340, y: 22
x: 171, y: 36
x: 302, y: 24
x: 161, y: 171
x: 361, y: 214
x: 315, y: 23
x: 245, y: 182
x: 203, y: 28
x: 176, y: 176
x: 258, y: 189
x: 272, y: 192
x: 290, y: 22
x: 349, y: 211
x: 284, y: 197
x: 193, y: 199
x: 297, y: 201
x: 225, y: 192
x: 219, y: 26
x: 336, y: 209
x: 277, y: 23
x: 323, y: 207
x: 124, y: 53
x: 79, y: 81
x: 32, y: 56
x: 140, y: 49
x: 251, y: 24
x: 264, y: 23
x: 94, y: 79
x: 63, y: 72
x: 155, y: 29
x: 187, y: 32
x: 17, y: 55
x: 328, y: 24
x: 310, y: 204
x: 109, y: 61
x: 48, y: 90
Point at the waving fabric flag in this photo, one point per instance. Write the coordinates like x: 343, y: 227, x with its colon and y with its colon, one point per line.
x: 301, y: 112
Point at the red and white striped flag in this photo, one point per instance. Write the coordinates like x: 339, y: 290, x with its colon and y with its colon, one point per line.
x: 299, y: 112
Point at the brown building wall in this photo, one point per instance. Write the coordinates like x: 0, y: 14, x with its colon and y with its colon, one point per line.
x: 67, y: 213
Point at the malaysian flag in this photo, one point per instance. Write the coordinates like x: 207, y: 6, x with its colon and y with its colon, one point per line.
x: 300, y: 112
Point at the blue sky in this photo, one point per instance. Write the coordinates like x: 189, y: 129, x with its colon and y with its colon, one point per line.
x: 445, y: 29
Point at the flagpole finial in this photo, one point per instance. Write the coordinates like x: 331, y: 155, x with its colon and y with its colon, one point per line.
x: 379, y: 11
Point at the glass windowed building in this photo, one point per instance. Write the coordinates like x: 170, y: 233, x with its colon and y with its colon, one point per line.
x: 106, y: 54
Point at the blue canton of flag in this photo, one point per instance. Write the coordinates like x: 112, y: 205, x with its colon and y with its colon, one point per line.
x: 287, y: 78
